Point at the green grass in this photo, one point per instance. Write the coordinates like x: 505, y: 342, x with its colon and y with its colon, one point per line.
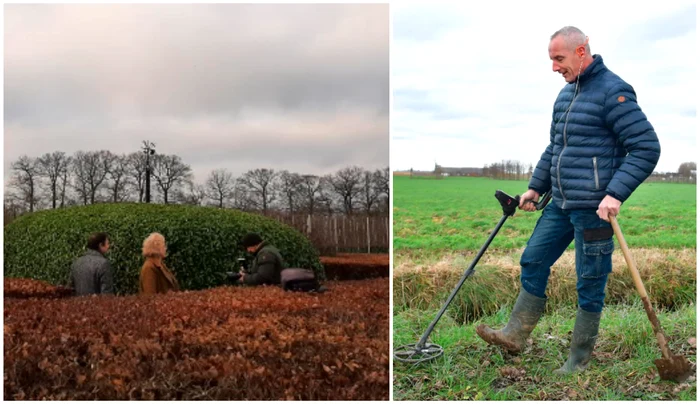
x: 438, y: 227
x: 622, y: 369
x: 458, y: 213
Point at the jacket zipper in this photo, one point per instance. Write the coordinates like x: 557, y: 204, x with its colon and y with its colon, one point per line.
x: 595, y: 172
x: 566, y: 122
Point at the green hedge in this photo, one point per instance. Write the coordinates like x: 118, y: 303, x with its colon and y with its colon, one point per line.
x: 202, y: 242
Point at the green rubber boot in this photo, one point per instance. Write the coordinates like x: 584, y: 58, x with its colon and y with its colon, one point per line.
x: 582, y: 342
x: 526, y: 313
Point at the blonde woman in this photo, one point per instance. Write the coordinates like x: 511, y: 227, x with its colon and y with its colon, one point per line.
x: 155, y: 276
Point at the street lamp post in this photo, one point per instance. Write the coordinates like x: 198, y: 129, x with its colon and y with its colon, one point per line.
x: 148, y: 149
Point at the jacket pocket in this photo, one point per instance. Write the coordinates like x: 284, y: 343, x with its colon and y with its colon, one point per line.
x: 595, y: 173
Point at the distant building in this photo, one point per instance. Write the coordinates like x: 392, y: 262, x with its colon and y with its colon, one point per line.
x: 459, y: 171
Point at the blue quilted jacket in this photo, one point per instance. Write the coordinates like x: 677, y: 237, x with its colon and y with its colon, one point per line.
x: 600, y: 142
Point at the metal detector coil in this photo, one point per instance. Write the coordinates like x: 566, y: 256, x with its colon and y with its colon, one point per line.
x: 415, y: 354
x: 422, y: 351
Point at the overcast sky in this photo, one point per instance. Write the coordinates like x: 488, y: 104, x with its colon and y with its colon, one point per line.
x: 473, y: 84
x: 297, y: 87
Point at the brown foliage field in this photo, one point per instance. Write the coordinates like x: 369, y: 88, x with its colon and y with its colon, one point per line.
x: 356, y: 266
x: 225, y: 343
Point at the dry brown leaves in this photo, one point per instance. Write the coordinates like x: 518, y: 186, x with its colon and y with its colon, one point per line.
x: 26, y: 288
x: 356, y: 266
x: 221, y: 344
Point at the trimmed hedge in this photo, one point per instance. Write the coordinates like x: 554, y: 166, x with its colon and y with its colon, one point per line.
x: 220, y: 344
x: 202, y: 242
x: 344, y: 267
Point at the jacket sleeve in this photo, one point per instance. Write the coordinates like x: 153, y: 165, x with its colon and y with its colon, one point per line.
x: 636, y: 135
x: 541, y: 180
x: 106, y: 280
x: 148, y: 280
x: 265, y: 272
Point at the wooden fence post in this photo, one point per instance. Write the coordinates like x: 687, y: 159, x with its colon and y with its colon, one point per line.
x: 335, y: 232
x: 369, y: 244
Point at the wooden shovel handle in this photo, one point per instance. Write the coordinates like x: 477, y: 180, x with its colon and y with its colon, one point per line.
x: 628, y: 258
x: 656, y: 326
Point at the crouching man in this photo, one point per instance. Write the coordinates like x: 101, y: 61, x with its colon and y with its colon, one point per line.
x: 267, y: 265
x: 269, y: 268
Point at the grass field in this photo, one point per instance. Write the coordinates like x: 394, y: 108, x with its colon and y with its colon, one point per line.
x: 622, y: 368
x: 438, y: 227
x: 458, y: 213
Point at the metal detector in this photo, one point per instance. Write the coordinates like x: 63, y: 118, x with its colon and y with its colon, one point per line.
x: 424, y: 351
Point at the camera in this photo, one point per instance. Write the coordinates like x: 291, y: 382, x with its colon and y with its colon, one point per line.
x: 233, y: 277
x: 243, y: 264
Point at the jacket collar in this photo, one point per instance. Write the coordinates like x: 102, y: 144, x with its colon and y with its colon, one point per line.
x: 153, y: 261
x: 94, y: 253
x: 262, y: 245
x: 593, y: 69
x: 164, y: 270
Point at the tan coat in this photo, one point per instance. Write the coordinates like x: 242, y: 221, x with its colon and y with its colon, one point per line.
x: 156, y: 279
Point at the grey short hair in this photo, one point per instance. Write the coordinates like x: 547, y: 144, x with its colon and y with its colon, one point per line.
x: 573, y: 37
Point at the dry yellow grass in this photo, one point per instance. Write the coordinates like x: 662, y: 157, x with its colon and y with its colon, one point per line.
x: 669, y: 277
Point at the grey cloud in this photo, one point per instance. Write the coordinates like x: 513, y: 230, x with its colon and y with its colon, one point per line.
x: 205, y: 66
x: 318, y: 157
x: 108, y: 76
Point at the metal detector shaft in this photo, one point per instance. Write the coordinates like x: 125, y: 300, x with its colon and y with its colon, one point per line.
x: 466, y: 275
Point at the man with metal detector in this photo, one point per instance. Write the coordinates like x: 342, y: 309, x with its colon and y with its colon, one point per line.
x: 601, y: 149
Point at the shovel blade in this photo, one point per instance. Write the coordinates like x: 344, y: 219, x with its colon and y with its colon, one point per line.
x: 677, y: 368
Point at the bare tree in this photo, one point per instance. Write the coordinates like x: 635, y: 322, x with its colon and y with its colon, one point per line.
x: 221, y: 186
x: 290, y: 187
x: 685, y: 170
x: 346, y: 184
x: 54, y: 167
x: 259, y: 184
x: 310, y: 189
x: 137, y: 172
x: 325, y: 194
x: 369, y: 192
x: 119, y: 178
x: 194, y: 194
x: 169, y: 172
x: 65, y: 180
x: 241, y: 197
x: 25, y: 180
x: 13, y: 207
x: 90, y: 170
x: 381, y: 184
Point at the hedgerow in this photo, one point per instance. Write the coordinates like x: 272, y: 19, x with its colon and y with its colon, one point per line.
x: 356, y: 266
x: 225, y: 343
x: 202, y: 242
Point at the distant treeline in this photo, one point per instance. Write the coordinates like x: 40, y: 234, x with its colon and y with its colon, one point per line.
x: 56, y: 180
x: 516, y: 170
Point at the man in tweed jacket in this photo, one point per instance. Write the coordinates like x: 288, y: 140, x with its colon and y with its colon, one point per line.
x: 601, y: 148
x: 92, y: 274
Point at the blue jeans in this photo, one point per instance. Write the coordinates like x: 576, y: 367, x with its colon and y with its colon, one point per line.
x: 555, y: 230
